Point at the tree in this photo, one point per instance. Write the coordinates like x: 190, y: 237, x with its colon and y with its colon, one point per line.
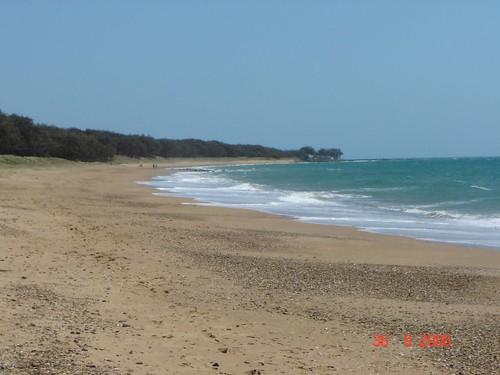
x: 20, y: 136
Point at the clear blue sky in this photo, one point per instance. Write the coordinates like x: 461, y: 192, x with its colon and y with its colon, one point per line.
x: 376, y: 78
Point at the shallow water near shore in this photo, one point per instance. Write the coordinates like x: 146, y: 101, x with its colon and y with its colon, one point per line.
x: 455, y: 200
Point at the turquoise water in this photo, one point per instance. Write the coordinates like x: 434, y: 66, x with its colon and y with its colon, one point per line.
x: 450, y: 200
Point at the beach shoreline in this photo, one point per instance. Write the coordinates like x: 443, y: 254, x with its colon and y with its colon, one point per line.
x: 199, y: 201
x: 320, y: 196
x: 101, y: 276
x: 439, y: 245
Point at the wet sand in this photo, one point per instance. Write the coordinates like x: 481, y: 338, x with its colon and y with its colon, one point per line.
x: 99, y: 276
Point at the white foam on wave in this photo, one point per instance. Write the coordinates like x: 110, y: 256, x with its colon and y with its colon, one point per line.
x: 243, y: 187
x: 330, y: 198
x: 468, y: 219
x: 334, y: 207
x: 480, y: 187
x: 420, y: 230
x: 449, y: 203
x: 361, y: 161
x: 301, y: 198
x: 434, y: 214
x: 358, y: 219
x: 381, y: 189
x: 243, y: 170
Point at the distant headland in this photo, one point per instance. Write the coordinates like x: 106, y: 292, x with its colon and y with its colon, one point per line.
x: 20, y: 136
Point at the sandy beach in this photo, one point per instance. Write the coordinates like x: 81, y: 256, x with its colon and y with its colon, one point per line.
x: 99, y: 276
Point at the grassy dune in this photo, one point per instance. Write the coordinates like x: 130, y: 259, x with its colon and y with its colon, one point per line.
x: 11, y: 161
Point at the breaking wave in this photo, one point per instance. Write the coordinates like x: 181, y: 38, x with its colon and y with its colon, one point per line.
x: 357, y: 207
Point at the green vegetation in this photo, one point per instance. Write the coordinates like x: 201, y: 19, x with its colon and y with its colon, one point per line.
x: 19, y: 135
x: 325, y: 154
x: 12, y: 161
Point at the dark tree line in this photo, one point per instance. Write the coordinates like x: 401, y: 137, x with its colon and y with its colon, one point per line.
x: 19, y: 135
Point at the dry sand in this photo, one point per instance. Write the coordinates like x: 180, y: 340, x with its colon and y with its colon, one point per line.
x: 99, y: 276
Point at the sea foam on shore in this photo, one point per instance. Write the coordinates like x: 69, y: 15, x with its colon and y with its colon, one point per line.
x: 333, y: 194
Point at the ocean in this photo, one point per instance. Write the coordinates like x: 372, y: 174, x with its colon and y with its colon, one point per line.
x: 455, y: 200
